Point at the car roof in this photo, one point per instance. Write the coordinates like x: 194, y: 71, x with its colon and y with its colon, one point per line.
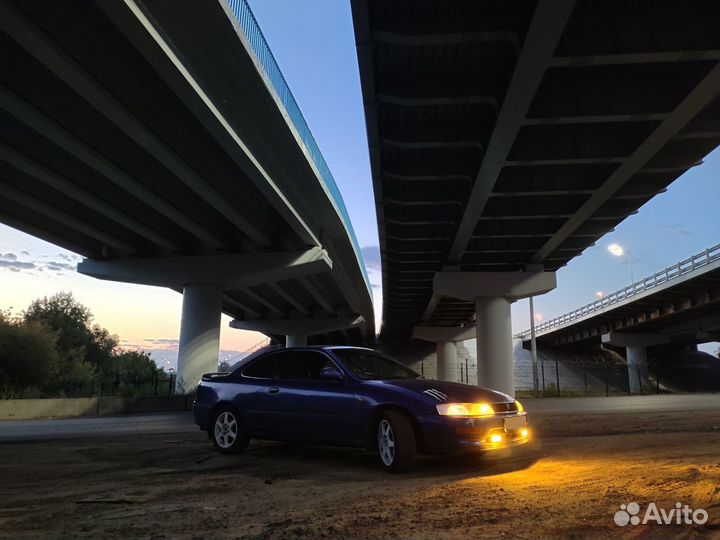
x: 325, y: 347
x: 262, y: 352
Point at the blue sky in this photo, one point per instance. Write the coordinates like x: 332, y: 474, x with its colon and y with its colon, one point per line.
x: 313, y: 42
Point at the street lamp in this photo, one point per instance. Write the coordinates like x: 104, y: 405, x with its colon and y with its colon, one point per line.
x: 618, y: 251
x: 533, y: 349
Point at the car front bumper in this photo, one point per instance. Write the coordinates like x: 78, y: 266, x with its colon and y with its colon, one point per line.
x: 446, y: 433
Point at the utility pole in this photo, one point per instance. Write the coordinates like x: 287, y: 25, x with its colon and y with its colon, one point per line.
x: 533, y: 348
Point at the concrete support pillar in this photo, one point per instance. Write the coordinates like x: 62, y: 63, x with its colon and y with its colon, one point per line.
x: 295, y: 340
x: 495, y: 366
x: 446, y: 361
x: 636, y: 353
x: 492, y: 293
x: 199, y: 334
x: 446, y: 339
x: 637, y: 369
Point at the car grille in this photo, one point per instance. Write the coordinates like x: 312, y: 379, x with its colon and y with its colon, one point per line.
x: 504, y: 407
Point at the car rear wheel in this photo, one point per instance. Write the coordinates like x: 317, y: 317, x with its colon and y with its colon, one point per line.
x: 228, y: 434
x: 396, y: 442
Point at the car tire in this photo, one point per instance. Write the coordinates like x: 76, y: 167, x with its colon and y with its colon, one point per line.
x: 226, y: 431
x: 395, y: 442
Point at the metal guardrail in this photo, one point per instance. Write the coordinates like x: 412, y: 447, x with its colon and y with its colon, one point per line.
x: 663, y: 276
x: 254, y: 35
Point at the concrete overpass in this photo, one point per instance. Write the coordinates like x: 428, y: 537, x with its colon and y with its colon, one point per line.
x: 507, y: 137
x: 160, y: 141
x: 680, y: 304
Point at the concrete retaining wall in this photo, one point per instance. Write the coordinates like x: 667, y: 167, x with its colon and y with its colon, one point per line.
x: 523, y: 366
x: 28, y: 409
x: 571, y: 377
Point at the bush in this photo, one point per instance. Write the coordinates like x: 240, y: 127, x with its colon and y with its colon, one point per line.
x: 28, y: 355
x: 76, y: 375
x: 130, y: 373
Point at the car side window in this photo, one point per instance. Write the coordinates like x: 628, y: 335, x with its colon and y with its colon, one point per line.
x: 266, y: 367
x: 303, y: 365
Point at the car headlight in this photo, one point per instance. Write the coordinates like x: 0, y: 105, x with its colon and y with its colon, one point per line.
x: 465, y: 409
x: 519, y: 406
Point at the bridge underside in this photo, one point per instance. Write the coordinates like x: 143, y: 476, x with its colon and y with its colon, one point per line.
x: 124, y: 140
x: 150, y: 138
x: 507, y: 136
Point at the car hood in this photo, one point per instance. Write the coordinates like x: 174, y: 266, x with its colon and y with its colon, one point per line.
x: 449, y: 392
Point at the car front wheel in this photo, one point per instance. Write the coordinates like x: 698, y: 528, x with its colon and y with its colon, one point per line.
x: 396, y: 442
x: 227, y: 431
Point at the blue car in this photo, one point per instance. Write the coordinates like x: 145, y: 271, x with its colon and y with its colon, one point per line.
x: 352, y: 396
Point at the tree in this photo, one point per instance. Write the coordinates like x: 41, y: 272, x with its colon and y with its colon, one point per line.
x: 28, y: 356
x: 55, y: 348
x: 66, y: 316
x: 101, y: 348
x: 81, y: 348
x: 73, y: 323
x: 75, y: 376
x: 132, y: 369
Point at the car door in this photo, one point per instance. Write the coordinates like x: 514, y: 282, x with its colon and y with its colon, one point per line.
x: 318, y: 409
x: 263, y: 413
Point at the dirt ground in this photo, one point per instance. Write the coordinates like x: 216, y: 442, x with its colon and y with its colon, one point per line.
x: 568, y: 484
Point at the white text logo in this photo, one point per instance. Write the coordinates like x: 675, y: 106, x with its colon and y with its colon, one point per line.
x: 681, y: 514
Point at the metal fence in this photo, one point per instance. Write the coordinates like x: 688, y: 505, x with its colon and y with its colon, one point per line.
x: 129, y: 384
x: 557, y: 379
x: 276, y: 81
x: 670, y: 273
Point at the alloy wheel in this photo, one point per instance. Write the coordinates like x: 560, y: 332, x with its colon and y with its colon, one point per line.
x: 226, y: 429
x: 386, y: 442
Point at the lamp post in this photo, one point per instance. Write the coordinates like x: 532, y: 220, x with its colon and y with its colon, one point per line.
x: 533, y: 349
x: 618, y: 251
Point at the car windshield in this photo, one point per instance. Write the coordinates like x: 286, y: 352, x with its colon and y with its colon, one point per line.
x: 370, y: 365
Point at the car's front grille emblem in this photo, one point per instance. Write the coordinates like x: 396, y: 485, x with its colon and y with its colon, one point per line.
x: 437, y: 394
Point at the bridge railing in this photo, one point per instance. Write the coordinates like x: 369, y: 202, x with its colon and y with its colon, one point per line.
x: 658, y: 278
x: 255, y: 37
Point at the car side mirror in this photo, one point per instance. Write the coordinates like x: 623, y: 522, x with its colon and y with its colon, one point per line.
x: 331, y: 373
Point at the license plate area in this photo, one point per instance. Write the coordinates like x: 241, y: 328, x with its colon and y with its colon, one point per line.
x: 514, y: 422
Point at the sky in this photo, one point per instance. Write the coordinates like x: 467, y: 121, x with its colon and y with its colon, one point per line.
x: 313, y: 43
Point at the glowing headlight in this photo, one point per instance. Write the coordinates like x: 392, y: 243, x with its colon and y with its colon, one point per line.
x: 465, y: 409
x: 519, y: 406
